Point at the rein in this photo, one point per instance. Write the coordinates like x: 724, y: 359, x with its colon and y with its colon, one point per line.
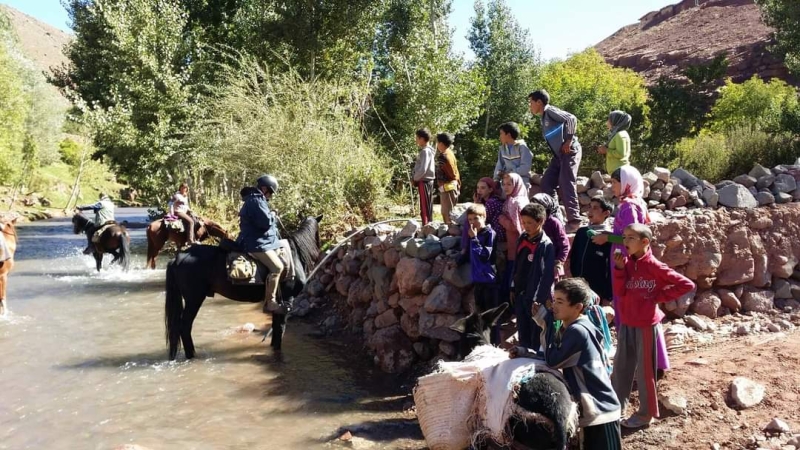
x: 12, y: 233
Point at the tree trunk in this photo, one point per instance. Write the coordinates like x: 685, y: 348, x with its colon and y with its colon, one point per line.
x: 76, y: 185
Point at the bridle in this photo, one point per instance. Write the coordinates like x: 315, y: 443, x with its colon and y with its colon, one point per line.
x: 13, y: 230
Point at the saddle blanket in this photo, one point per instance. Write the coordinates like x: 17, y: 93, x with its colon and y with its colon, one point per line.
x: 99, y: 232
x: 244, y: 269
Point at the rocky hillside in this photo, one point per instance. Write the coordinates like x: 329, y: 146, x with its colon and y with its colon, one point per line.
x: 39, y: 42
x: 668, y: 40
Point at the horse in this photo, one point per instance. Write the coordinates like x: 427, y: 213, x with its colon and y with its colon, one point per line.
x: 551, y: 415
x: 9, y: 233
x: 201, y: 272
x: 158, y: 235
x: 114, y: 240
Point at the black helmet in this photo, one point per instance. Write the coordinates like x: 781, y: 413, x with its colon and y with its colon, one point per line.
x: 268, y: 181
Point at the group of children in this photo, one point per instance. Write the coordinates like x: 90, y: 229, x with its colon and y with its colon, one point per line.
x: 518, y: 248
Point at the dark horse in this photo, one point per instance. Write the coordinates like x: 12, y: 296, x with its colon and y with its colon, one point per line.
x: 114, y: 240
x: 158, y: 235
x: 201, y: 272
x: 550, y: 415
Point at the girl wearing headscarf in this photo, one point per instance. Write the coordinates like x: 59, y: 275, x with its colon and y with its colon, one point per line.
x: 510, y: 221
x: 488, y: 194
x: 618, y: 148
x: 628, y: 187
x: 554, y: 229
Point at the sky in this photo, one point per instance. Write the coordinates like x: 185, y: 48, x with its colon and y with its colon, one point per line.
x: 557, y: 27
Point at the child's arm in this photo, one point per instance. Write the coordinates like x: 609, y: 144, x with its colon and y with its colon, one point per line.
x: 674, y: 285
x: 525, y: 161
x: 620, y: 276
x: 544, y: 289
x: 563, y: 354
x: 563, y: 242
x: 616, y: 147
x: 482, y: 250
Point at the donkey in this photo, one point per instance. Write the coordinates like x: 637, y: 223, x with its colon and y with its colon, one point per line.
x: 551, y: 418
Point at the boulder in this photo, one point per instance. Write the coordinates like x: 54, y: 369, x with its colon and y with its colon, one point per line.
x: 729, y: 300
x: 429, y: 250
x: 391, y: 257
x: 650, y: 178
x: 443, y: 299
x: 666, y: 193
x: 784, y: 183
x: 662, y: 174
x: 343, y: 285
x: 436, y: 326
x: 782, y: 288
x: 450, y: 242
x: 409, y: 230
x: 583, y: 184
x: 674, y: 402
x: 696, y: 322
x: 759, y: 171
x: 758, y: 301
x: 394, y: 351
x: 413, y: 246
x: 746, y: 181
x: 410, y: 326
x: 746, y: 393
x: 765, y: 198
x: 711, y: 197
x: 706, y: 304
x: 584, y: 199
x: 736, y: 196
x: 783, y: 197
x: 686, y: 178
x: 765, y: 182
x: 777, y: 426
x: 386, y: 318
x: 381, y: 279
x: 411, y: 274
x: 459, y: 276
x: 597, y: 180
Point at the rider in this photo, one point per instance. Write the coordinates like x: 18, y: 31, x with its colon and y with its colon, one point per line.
x: 103, y: 214
x: 180, y: 207
x: 259, y: 233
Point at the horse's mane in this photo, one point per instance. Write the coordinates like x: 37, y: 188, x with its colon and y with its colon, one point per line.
x: 306, y: 242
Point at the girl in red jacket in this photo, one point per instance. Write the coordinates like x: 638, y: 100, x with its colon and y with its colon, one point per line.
x: 641, y: 281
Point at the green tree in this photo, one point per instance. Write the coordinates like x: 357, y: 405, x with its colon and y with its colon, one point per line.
x: 784, y: 17
x: 754, y: 103
x: 14, y: 109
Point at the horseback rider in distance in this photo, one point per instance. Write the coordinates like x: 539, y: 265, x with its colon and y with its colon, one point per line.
x: 103, y: 214
x: 259, y: 234
x: 179, y: 207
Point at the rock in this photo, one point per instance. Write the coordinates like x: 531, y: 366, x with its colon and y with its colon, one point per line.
x: 736, y: 196
x: 696, y: 322
x: 450, y: 242
x: 753, y: 191
x: 758, y: 301
x: 777, y: 426
x: 429, y: 229
x: 386, y: 319
x: 443, y: 299
x: 597, y: 180
x: 681, y: 190
x: 773, y: 328
x: 442, y: 230
x: 666, y: 193
x: 584, y: 199
x: 423, y: 351
x: 653, y: 203
x: 413, y: 246
x: 536, y: 179
x: 783, y: 197
x: 674, y: 402
x: 759, y: 171
x: 391, y: 257
x: 409, y: 230
x: 429, y: 250
x: 662, y: 174
x: 394, y: 352
x: 411, y: 274
x: 650, y: 178
x: 765, y: 182
x: 430, y: 283
x: 676, y: 202
x: 706, y: 304
x: 783, y: 266
x: 784, y: 183
x: 796, y: 195
x: 454, y: 230
x: 782, y: 288
x: 687, y: 179
x: 315, y: 288
x: 410, y: 326
x: 729, y: 300
x: 796, y: 292
x: 381, y: 279
x: 746, y: 180
x: 655, y: 194
x: 711, y: 197
x: 746, y: 393
x: 343, y: 285
x: 765, y: 198
x: 583, y: 184
x: 458, y: 276
x: 658, y: 184
x: 436, y: 326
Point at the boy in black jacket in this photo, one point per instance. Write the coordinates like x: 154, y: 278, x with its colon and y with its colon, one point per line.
x: 533, y: 274
x: 588, y: 260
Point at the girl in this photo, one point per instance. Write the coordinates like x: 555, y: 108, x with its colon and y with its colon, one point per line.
x: 628, y: 187
x: 511, y: 223
x: 618, y: 149
x: 554, y: 229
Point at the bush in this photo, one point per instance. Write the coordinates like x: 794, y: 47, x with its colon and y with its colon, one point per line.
x: 303, y: 132
x: 706, y: 156
x: 755, y: 104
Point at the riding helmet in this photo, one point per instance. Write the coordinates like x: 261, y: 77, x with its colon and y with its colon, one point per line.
x: 268, y: 181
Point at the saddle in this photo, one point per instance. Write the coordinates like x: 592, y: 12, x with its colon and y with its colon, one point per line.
x: 244, y: 269
x: 173, y: 223
x: 99, y: 231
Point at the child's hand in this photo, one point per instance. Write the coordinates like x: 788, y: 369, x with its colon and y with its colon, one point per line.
x: 602, y: 149
x: 619, y: 260
x: 559, y: 270
x: 600, y: 239
x: 517, y: 351
x: 472, y: 231
x: 535, y: 309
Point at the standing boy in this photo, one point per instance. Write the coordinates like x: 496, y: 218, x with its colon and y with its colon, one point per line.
x: 577, y: 348
x: 558, y: 128
x: 481, y: 253
x: 591, y: 261
x: 513, y: 155
x: 424, y: 174
x: 448, y: 179
x: 641, y: 282
x: 533, y: 275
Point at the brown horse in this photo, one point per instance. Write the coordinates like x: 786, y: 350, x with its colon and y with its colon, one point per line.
x: 158, y: 234
x: 10, y: 236
x: 114, y: 240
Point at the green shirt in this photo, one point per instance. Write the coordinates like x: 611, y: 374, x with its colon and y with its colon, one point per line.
x: 619, y: 151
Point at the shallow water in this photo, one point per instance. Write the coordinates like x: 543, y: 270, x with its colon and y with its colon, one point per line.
x: 83, y: 365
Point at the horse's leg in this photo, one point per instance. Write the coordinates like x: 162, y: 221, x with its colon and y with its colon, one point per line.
x: 98, y: 259
x: 152, y: 252
x: 192, y: 306
x: 3, y: 281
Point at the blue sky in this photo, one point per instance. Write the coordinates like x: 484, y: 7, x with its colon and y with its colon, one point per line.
x: 557, y: 27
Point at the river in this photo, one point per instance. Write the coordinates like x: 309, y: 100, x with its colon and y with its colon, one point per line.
x: 83, y: 365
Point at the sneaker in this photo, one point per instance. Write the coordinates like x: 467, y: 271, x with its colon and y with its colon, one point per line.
x: 636, y: 421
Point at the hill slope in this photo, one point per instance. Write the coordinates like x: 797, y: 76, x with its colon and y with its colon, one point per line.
x: 39, y: 42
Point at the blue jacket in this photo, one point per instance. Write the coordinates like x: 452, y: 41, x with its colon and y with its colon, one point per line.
x: 482, y: 255
x: 534, y: 269
x: 258, y: 225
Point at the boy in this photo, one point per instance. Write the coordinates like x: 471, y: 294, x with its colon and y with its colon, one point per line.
x: 514, y: 154
x: 533, y: 274
x: 558, y: 129
x: 481, y: 253
x: 641, y: 281
x: 576, y: 348
x: 424, y: 174
x: 448, y: 179
x: 591, y: 261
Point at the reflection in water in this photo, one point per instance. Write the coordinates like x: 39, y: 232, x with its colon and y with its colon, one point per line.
x: 83, y: 365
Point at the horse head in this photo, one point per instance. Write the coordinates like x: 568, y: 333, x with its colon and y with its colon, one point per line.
x: 79, y: 223
x: 474, y: 329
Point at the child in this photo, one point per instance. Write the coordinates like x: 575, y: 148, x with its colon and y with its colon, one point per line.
x: 618, y: 149
x: 641, y: 281
x: 424, y: 174
x: 513, y: 155
x: 533, y: 277
x: 481, y: 254
x: 554, y: 229
x: 516, y: 199
x: 447, y: 178
x: 576, y: 348
x: 588, y: 260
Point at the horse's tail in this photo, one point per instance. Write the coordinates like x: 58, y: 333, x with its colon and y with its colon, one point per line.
x: 173, y: 310
x: 125, y: 250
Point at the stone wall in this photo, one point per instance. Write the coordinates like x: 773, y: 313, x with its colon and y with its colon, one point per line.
x: 399, y: 290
